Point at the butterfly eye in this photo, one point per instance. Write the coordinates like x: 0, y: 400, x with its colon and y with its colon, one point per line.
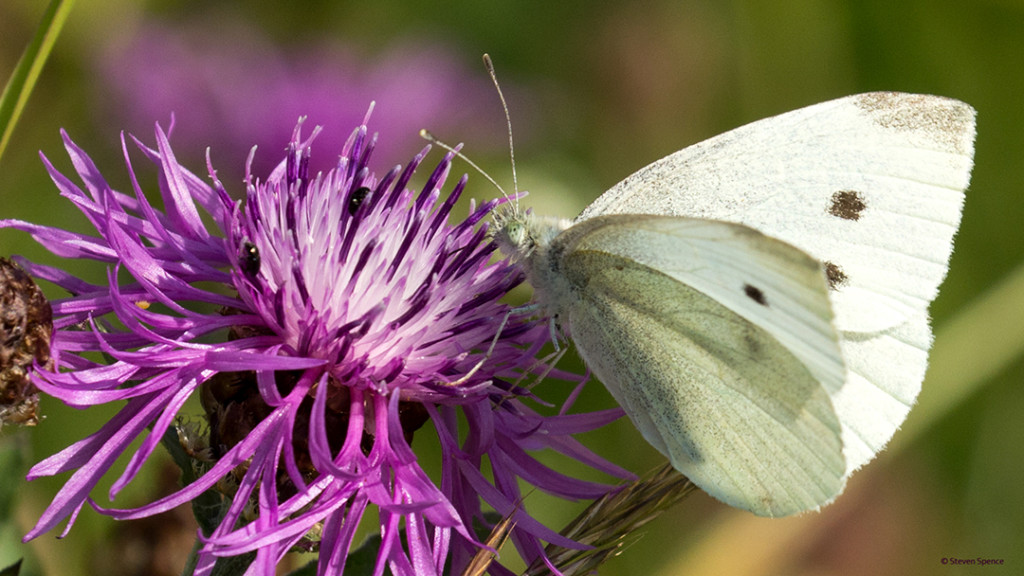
x: 516, y: 232
x: 356, y: 200
x: 249, y: 260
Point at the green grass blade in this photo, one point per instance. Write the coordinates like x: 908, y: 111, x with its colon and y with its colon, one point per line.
x: 25, y: 74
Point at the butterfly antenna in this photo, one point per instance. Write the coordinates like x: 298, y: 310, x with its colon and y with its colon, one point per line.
x: 426, y: 135
x: 508, y: 122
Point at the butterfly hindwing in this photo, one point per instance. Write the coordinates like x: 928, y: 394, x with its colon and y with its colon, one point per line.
x: 697, y: 341
x: 774, y: 286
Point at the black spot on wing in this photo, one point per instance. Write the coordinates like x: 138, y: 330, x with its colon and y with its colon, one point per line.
x: 847, y: 204
x: 835, y: 275
x: 755, y: 294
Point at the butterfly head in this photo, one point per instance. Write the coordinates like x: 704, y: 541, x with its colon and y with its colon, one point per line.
x: 524, y: 236
x: 512, y: 232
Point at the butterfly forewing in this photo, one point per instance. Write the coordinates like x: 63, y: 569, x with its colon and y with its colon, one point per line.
x: 871, y: 185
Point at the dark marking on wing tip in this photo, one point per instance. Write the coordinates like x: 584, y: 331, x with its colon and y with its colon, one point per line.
x: 835, y: 275
x: 755, y: 294
x: 942, y: 121
x: 847, y: 204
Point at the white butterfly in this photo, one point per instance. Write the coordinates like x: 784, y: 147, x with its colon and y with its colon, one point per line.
x: 758, y: 302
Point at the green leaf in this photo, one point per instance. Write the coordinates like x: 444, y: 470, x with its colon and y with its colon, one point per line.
x: 25, y: 74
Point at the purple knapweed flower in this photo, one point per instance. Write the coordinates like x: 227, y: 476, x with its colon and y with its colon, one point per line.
x: 322, y: 321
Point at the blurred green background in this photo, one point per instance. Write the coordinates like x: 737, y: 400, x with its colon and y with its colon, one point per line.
x: 596, y: 90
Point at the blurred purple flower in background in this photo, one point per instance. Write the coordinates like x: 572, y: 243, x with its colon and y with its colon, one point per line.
x: 322, y: 321
x: 221, y: 79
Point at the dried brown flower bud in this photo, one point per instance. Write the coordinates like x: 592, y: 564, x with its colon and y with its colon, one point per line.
x: 26, y: 324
